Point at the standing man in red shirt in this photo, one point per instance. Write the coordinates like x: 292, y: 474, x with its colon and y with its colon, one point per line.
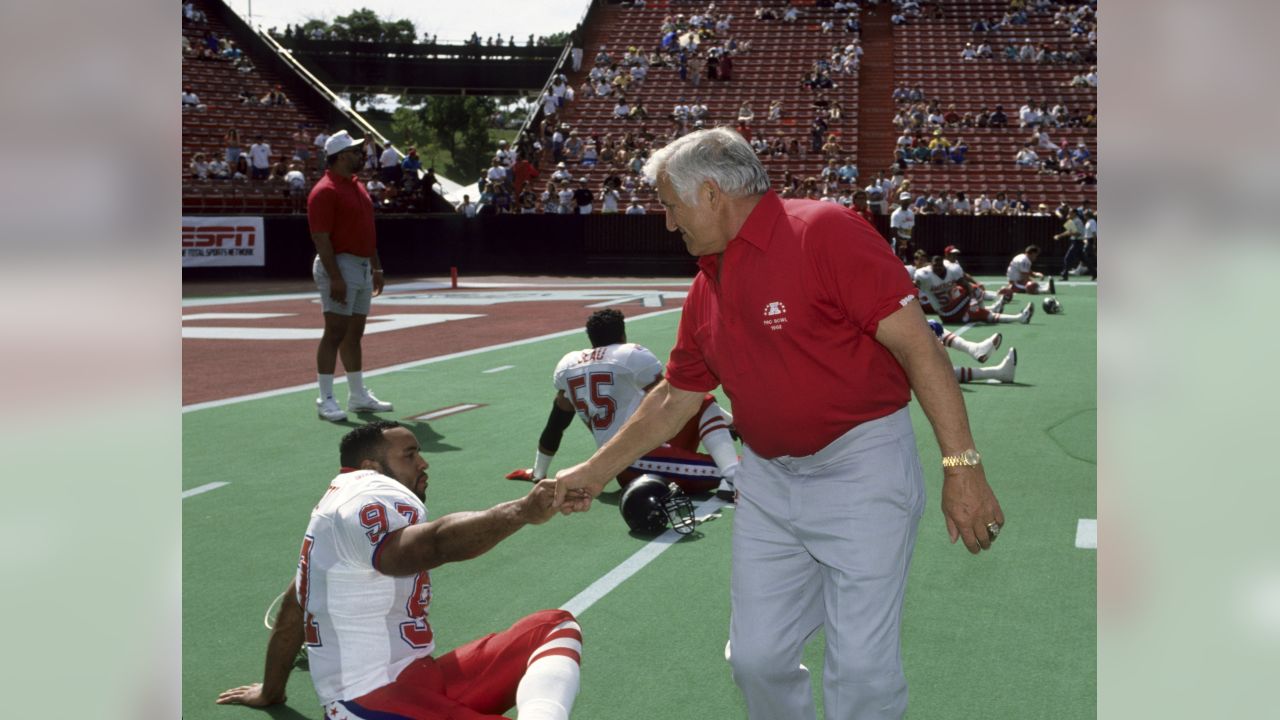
x: 802, y: 312
x: 347, y: 272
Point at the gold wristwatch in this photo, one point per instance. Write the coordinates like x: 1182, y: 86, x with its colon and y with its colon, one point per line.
x: 968, y: 458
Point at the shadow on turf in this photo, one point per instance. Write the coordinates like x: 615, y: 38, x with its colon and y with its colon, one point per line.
x: 429, y: 439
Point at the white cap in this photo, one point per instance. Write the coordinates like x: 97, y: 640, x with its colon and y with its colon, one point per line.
x: 340, y: 141
x: 904, y: 196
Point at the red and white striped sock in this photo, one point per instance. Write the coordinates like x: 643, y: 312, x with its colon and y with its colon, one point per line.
x: 713, y: 432
x: 550, y: 684
x: 963, y: 374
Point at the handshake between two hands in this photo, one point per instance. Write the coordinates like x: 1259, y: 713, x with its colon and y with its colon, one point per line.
x: 564, y: 492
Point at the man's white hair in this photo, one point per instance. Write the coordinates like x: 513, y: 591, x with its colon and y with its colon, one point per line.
x: 718, y: 154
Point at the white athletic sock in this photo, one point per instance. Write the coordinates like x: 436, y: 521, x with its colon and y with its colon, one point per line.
x: 951, y: 339
x: 963, y: 374
x: 326, y: 385
x: 713, y: 430
x: 1003, y: 318
x: 550, y: 684
x: 355, y: 383
x: 541, y: 463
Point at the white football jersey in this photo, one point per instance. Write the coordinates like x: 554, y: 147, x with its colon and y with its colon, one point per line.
x: 1020, y: 269
x: 362, y: 627
x: 938, y: 289
x: 606, y: 384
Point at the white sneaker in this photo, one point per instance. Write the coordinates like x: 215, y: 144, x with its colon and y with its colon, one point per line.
x: 1004, y: 371
x: 367, y: 403
x: 328, y: 410
x: 983, y: 350
x: 1027, y: 312
x: 998, y: 305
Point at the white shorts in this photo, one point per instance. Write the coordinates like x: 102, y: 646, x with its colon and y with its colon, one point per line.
x: 358, y: 273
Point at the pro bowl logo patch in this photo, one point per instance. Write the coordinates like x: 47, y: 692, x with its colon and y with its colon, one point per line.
x: 775, y: 315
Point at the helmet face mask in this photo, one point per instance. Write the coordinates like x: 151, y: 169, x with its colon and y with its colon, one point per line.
x: 650, y: 505
x: 1051, y: 305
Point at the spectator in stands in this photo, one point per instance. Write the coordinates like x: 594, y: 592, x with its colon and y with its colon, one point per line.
x: 231, y: 142
x: 218, y: 168
x: 636, y: 207
x: 296, y: 182
x: 521, y: 173
x: 199, y: 166
x: 573, y: 147
x: 191, y: 101
x: 260, y: 159
x: 565, y: 197
x: 389, y: 166
x: 496, y: 174
x: 969, y: 52
x: 274, y: 96
x: 1027, y: 157
x: 411, y: 164
x: 998, y: 118
x: 608, y: 199
x: 583, y: 197
x: 848, y: 172
x: 467, y: 208
x: 961, y: 204
x: 240, y: 171
x: 589, y: 154
x: 376, y: 188
x: 959, y: 152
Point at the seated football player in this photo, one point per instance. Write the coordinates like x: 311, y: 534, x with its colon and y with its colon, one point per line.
x: 604, y: 384
x: 954, y: 300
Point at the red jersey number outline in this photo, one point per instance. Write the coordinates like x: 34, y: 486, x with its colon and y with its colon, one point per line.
x: 600, y: 400
x: 310, y: 627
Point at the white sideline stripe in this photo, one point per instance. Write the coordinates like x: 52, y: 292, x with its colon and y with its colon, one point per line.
x: 202, y: 489
x: 421, y: 285
x: 500, y: 368
x: 632, y: 565
x: 234, y: 316
x: 402, y: 366
x: 445, y: 412
x: 1087, y: 534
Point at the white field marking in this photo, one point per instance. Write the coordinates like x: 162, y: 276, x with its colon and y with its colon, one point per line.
x: 234, y: 316
x: 1087, y: 534
x: 498, y: 369
x: 647, y: 299
x: 376, y: 324
x: 426, y: 285
x: 632, y: 565
x: 202, y: 489
x: 403, y: 366
x: 447, y: 411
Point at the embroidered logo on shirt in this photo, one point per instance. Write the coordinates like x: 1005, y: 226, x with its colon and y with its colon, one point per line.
x: 775, y: 315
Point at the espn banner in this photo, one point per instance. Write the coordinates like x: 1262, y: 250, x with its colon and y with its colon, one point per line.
x: 222, y: 241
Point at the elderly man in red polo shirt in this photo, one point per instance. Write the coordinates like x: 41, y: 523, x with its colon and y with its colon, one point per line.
x: 802, y: 312
x: 347, y: 272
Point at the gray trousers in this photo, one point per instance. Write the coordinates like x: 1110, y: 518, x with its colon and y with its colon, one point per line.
x: 826, y: 541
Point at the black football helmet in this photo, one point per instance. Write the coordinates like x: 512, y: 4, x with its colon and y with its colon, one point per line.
x: 1051, y: 305
x: 650, y: 505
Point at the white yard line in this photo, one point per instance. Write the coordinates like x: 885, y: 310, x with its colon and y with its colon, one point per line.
x: 632, y: 565
x: 202, y: 489
x: 402, y: 366
x: 498, y: 369
x: 1087, y: 534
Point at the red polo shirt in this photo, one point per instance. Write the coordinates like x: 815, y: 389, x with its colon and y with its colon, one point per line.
x: 786, y: 319
x: 341, y: 207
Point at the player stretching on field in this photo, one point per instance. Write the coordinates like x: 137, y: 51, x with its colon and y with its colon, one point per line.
x: 605, y: 384
x: 360, y: 599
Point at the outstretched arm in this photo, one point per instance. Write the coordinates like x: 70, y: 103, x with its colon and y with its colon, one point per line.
x: 968, y: 502
x: 462, y: 535
x: 282, y: 648
x: 664, y: 411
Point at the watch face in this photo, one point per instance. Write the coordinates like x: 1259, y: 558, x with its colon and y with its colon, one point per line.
x: 971, y: 457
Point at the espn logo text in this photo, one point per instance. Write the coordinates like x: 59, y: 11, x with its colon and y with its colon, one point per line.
x: 214, y: 240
